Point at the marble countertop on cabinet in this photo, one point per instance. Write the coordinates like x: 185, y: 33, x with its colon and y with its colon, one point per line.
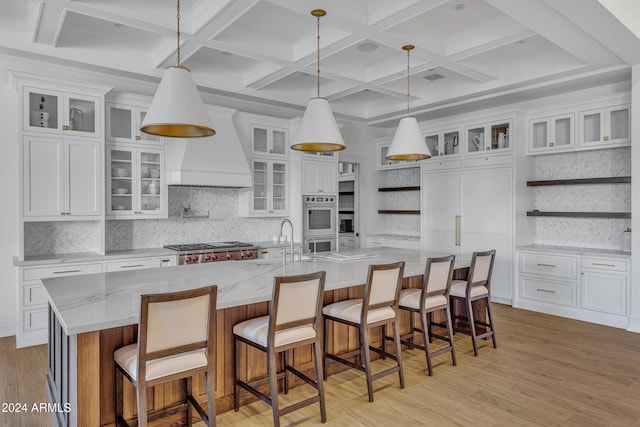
x: 394, y: 236
x: 106, y: 300
x: 272, y: 244
x: 571, y: 250
x: 36, y: 260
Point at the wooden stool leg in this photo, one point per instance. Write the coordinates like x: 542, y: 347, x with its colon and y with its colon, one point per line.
x: 211, y: 398
x: 450, y: 332
x: 236, y: 375
x: 427, y: 341
x: 412, y: 327
x: 383, y: 343
x: 319, y: 377
x: 396, y: 332
x: 430, y: 321
x: 189, y: 410
x: 472, y: 327
x: 364, y: 349
x: 284, y: 370
x: 325, y: 360
x: 141, y: 392
x: 493, y: 331
x: 273, y: 383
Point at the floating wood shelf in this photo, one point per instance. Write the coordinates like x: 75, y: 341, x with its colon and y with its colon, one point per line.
x: 582, y: 214
x: 346, y: 193
x: 413, y: 188
x: 399, y: 212
x: 581, y: 181
x: 346, y: 212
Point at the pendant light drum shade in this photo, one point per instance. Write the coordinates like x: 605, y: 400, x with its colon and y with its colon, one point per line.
x: 176, y: 109
x: 408, y: 143
x: 318, y: 129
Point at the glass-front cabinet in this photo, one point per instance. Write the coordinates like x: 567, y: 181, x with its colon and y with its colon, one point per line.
x: 551, y: 133
x: 58, y: 112
x: 444, y: 143
x: 605, y: 126
x: 267, y: 140
x: 383, y: 163
x: 123, y: 124
x: 493, y: 136
x: 136, y: 183
x: 269, y: 192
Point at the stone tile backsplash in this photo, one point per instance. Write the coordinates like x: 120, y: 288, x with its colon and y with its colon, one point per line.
x: 401, y: 224
x: 582, y: 232
x: 43, y: 238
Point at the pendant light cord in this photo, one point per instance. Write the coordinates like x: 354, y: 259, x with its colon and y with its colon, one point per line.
x: 408, y: 83
x: 178, y: 16
x: 318, y: 54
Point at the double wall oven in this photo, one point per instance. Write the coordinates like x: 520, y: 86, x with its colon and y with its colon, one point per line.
x: 319, y: 218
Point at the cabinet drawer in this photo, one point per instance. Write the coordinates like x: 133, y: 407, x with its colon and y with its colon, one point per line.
x: 60, y: 271
x: 436, y: 163
x: 33, y: 295
x: 131, y: 264
x: 548, y: 265
x: 488, y: 160
x: 548, y: 291
x: 33, y: 320
x: 604, y: 264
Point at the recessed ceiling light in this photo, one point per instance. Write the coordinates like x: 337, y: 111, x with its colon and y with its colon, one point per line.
x: 225, y: 53
x: 519, y: 42
x: 434, y: 76
x: 458, y: 7
x: 367, y: 47
x: 118, y: 25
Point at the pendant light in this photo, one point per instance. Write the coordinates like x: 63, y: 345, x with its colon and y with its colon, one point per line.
x: 408, y: 142
x: 177, y: 109
x: 318, y: 129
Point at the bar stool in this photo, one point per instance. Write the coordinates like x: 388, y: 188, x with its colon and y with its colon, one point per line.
x: 176, y: 340
x: 476, y: 288
x: 433, y: 297
x: 377, y: 308
x: 293, y: 322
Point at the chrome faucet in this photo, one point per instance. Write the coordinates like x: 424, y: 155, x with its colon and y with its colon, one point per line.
x: 315, y: 249
x: 285, y: 220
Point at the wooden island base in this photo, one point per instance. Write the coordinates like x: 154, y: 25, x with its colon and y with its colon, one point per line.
x: 95, y: 367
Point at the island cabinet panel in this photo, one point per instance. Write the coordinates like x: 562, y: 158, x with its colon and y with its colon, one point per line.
x: 96, y: 385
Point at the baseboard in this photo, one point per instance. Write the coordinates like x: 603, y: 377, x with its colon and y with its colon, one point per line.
x: 500, y: 300
x: 634, y: 324
x: 7, y: 328
x: 613, y: 320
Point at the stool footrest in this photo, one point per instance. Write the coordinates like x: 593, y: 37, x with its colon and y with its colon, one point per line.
x: 344, y: 361
x: 385, y: 373
x: 296, y: 406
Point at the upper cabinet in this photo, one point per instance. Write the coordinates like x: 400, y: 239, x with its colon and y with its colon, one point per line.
x: 319, y: 176
x: 551, y: 133
x: 444, y: 143
x: 60, y: 112
x: 488, y: 137
x: 123, y: 124
x: 605, y: 126
x: 383, y: 163
x: 269, y: 141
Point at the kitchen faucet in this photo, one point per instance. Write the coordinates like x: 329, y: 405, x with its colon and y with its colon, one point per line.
x: 285, y: 220
x: 315, y: 249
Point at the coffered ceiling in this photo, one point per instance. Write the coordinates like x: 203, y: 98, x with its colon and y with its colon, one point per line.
x: 263, y: 52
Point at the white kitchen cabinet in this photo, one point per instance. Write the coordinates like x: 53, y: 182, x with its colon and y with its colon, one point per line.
x: 56, y: 112
x: 268, y: 140
x: 547, y: 134
x: 393, y: 241
x: 608, y: 126
x: 32, y: 301
x: 136, y: 186
x: 347, y: 241
x: 463, y: 211
x: 548, y: 282
x: 319, y: 176
x: 488, y: 137
x: 444, y: 143
x: 383, y: 163
x: 61, y: 179
x: 123, y: 124
x: 268, y: 195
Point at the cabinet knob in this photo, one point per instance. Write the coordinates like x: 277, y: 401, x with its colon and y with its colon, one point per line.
x: 65, y: 127
x: 487, y: 148
x: 137, y: 137
x: 606, y: 138
x: 582, y: 273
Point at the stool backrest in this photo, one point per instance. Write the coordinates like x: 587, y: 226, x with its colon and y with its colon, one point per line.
x: 383, y: 285
x: 481, y: 269
x: 297, y: 300
x: 176, y: 322
x: 437, y: 276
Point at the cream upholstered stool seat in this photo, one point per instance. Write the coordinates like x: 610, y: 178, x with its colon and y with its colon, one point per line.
x: 432, y: 297
x: 176, y: 338
x: 378, y: 307
x: 476, y: 288
x: 293, y: 322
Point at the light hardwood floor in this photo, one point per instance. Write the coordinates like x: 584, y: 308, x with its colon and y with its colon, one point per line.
x: 546, y: 371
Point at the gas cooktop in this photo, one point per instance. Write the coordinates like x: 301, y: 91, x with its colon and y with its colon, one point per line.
x: 208, y: 246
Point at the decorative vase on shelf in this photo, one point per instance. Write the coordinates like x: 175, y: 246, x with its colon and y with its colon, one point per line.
x: 503, y: 139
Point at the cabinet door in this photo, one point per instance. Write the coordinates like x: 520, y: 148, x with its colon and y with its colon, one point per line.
x: 120, y: 123
x: 328, y: 177
x: 488, y: 137
x: 142, y: 136
x: 278, y: 188
x: 82, y: 115
x: 439, y: 199
x: 539, y: 134
x: 42, y: 110
x: 260, y: 185
x: 83, y: 178
x: 592, y: 126
x: 310, y: 171
x: 604, y: 292
x: 617, y: 125
x: 268, y: 140
x: 605, y: 126
x: 120, y: 181
x: 562, y: 131
x: 43, y: 192
x: 279, y: 141
x: 151, y: 188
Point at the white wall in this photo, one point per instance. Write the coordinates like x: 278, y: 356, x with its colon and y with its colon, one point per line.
x: 634, y: 319
x: 9, y: 212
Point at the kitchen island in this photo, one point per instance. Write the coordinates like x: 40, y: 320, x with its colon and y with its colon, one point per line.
x: 92, y: 315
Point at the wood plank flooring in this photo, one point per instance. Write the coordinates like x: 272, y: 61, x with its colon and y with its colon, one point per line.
x: 546, y: 371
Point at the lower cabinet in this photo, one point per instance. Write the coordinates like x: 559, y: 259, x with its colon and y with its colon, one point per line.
x: 550, y: 283
x: 391, y: 242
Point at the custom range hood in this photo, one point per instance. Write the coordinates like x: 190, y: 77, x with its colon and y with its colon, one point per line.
x: 213, y: 161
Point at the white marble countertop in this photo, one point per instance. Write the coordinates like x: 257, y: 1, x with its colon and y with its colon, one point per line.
x: 394, y: 236
x: 35, y: 260
x: 575, y: 250
x: 106, y: 300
